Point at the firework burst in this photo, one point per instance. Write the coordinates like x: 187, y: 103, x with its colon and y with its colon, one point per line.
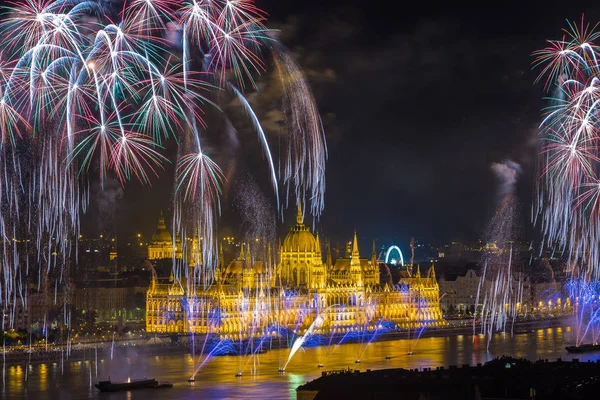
x: 83, y: 83
x: 568, y: 203
x: 569, y: 156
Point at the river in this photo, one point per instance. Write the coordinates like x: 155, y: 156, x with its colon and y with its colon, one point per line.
x: 261, y: 380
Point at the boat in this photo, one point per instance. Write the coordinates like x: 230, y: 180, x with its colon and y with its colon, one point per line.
x: 320, y: 365
x: 388, y: 357
x: 357, y: 362
x: 281, y: 370
x: 584, y: 348
x: 192, y: 380
x: 131, y: 384
x: 164, y: 385
x: 238, y: 375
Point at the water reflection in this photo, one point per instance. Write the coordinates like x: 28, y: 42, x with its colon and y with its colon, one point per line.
x: 260, y: 374
x: 42, y: 376
x: 15, y: 373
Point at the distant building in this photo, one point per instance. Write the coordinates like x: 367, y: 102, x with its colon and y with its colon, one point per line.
x: 110, y: 299
x: 458, y: 292
x: 291, y: 295
x: 162, y: 247
x: 15, y: 315
x: 46, y: 303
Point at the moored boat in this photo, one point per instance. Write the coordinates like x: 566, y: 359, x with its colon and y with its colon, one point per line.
x: 131, y: 384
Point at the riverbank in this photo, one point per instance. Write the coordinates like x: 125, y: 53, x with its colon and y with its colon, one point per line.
x: 105, y: 350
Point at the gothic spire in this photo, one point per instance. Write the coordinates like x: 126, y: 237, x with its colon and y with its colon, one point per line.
x: 373, y: 256
x: 318, y: 244
x: 221, y: 264
x: 355, y: 253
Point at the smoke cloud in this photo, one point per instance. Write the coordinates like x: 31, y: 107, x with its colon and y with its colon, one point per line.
x: 258, y: 218
x: 507, y: 173
x: 106, y: 201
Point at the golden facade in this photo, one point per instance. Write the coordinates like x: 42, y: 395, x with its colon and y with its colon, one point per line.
x: 162, y: 246
x: 250, y: 298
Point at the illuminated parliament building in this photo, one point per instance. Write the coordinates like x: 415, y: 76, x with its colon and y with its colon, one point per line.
x: 251, y: 298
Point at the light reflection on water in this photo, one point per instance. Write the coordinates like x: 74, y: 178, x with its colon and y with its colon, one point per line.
x: 260, y: 378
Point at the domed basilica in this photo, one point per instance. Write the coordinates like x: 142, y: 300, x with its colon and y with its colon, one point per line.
x: 252, y: 298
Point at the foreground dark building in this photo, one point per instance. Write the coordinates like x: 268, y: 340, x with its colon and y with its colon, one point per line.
x: 503, y: 378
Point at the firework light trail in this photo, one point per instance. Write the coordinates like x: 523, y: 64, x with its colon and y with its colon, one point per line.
x: 500, y: 289
x: 568, y: 203
x: 92, y: 86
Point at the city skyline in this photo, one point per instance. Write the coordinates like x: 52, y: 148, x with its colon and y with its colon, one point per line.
x: 300, y: 188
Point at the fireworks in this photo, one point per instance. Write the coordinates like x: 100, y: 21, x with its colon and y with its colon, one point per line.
x: 500, y: 288
x: 585, y: 295
x: 85, y: 86
x: 569, y: 185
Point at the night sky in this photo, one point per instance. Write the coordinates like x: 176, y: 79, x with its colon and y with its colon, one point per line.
x: 424, y: 101
x: 417, y: 104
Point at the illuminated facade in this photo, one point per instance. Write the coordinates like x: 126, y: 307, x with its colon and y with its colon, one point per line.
x: 250, y: 298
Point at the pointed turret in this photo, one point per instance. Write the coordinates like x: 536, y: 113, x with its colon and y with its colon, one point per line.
x: 318, y: 245
x: 161, y: 221
x: 329, y: 262
x: 299, y: 216
x: 418, y: 275
x: 242, y: 254
x: 355, y: 268
x: 171, y: 277
x: 355, y: 254
x: 221, y: 263
x: 374, y: 257
x: 432, y: 271
x: 153, y: 282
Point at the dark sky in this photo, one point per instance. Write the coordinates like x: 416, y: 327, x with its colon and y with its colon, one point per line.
x: 417, y: 102
x: 425, y: 99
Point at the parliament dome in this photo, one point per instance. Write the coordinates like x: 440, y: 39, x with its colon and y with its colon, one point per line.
x: 300, y: 238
